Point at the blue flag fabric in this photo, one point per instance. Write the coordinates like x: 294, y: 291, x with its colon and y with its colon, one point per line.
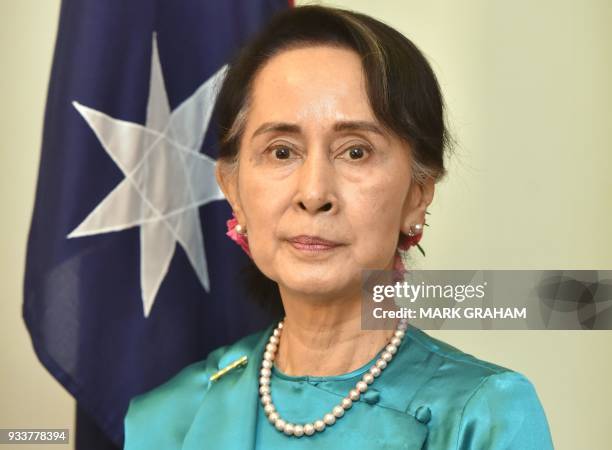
x: 129, y: 275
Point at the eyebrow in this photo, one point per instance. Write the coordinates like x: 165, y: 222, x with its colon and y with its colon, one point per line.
x: 351, y: 125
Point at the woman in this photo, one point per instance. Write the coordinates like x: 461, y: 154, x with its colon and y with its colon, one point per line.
x: 332, y: 139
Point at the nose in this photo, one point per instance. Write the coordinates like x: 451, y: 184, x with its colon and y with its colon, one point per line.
x: 316, y: 185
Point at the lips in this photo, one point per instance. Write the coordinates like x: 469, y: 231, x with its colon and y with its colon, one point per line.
x: 313, y: 240
x: 312, y: 243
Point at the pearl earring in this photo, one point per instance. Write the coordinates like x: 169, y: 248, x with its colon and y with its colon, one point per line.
x: 415, y: 229
x: 240, y: 229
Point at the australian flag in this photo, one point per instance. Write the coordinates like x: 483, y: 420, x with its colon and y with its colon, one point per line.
x: 129, y: 274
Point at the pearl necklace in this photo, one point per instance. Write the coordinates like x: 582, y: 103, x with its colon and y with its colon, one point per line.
x: 337, y: 412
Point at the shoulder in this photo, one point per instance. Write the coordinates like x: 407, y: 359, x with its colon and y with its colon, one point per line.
x: 504, y: 412
x: 452, y: 356
x: 160, y: 417
x: 489, y: 405
x: 194, y: 377
x: 444, y: 370
x: 169, y: 405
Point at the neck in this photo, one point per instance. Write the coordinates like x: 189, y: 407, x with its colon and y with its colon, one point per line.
x: 324, y: 338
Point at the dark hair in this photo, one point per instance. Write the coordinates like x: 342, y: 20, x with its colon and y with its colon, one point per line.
x: 402, y: 88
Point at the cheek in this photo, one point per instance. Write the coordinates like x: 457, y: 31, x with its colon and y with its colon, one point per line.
x: 375, y: 212
x: 262, y: 203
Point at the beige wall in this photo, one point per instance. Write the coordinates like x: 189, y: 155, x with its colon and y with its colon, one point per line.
x: 530, y: 103
x: 29, y: 396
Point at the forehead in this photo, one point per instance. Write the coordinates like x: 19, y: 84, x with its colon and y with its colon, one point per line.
x: 311, y: 83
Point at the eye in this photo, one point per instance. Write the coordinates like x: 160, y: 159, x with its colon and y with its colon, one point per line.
x: 280, y: 151
x: 357, y: 152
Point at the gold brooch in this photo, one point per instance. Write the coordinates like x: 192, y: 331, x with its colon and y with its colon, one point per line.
x: 238, y: 363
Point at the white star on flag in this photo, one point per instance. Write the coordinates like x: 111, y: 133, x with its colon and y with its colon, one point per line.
x: 166, y: 178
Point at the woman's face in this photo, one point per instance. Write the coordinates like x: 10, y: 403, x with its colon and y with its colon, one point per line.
x: 314, y: 161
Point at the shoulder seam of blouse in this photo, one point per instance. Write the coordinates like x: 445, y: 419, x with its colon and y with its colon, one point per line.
x: 460, y: 427
x: 472, y: 395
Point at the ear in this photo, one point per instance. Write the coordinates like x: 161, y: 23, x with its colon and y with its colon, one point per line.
x: 417, y: 200
x: 227, y: 179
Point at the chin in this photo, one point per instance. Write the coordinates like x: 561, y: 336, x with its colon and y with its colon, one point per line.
x: 316, y: 283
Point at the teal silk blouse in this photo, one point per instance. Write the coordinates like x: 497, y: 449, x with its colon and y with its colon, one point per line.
x: 431, y: 396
